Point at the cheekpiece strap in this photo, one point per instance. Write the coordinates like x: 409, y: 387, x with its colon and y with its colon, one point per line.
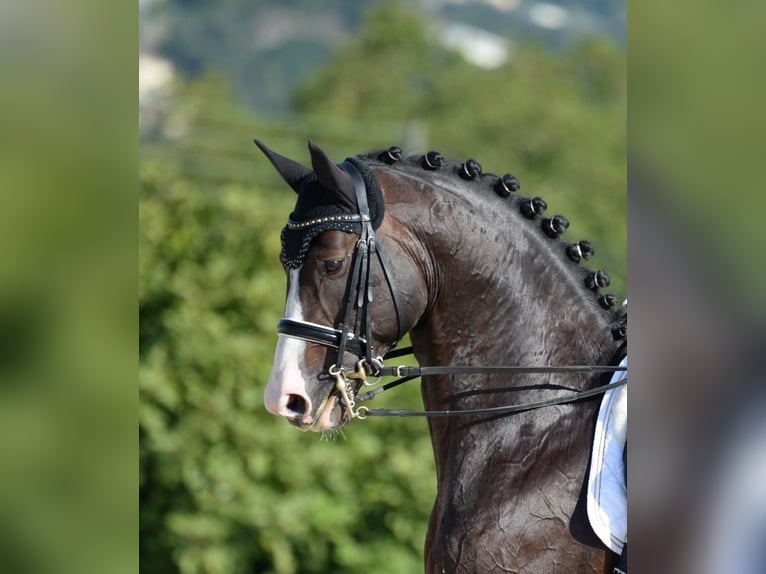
x: 360, y: 288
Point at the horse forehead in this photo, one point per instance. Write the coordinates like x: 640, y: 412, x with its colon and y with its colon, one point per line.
x: 334, y: 240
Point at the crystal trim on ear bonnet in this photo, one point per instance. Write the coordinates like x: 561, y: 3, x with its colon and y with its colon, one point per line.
x: 316, y: 211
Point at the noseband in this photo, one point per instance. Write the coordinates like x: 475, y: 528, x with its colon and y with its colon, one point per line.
x: 356, y: 338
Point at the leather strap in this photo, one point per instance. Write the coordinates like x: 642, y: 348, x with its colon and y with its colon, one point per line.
x: 370, y: 249
x: 360, y: 286
x: 400, y: 332
x: 503, y: 410
x: 416, y: 371
x: 314, y: 333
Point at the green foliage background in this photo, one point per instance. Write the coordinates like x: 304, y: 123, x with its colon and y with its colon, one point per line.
x: 227, y: 488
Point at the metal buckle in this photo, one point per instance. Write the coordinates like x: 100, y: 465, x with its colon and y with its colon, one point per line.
x: 376, y: 364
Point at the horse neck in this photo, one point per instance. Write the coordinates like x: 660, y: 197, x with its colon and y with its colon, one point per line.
x: 500, y: 293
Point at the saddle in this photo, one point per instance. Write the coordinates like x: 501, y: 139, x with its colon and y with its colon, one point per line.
x: 607, y: 482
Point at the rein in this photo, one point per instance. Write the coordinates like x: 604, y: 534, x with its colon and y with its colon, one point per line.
x: 363, y: 412
x: 410, y: 373
x: 357, y: 338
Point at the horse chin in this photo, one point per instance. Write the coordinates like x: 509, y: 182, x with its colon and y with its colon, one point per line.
x: 331, y: 414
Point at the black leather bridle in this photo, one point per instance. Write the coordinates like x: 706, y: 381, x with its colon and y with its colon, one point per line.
x: 355, y: 336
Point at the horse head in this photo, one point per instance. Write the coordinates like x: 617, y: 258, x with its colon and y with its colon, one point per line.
x: 337, y: 280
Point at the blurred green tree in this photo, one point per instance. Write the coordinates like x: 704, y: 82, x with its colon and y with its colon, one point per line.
x: 225, y: 487
x: 559, y: 123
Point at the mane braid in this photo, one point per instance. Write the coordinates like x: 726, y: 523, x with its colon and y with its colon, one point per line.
x: 418, y: 166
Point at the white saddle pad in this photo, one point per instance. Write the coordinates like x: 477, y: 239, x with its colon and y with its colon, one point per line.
x: 607, y: 491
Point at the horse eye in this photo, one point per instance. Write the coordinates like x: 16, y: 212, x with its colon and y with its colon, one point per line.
x: 333, y: 265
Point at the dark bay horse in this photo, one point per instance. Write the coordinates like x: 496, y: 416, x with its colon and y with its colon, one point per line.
x: 383, y: 245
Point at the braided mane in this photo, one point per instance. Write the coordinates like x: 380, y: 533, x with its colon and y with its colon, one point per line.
x: 531, y: 209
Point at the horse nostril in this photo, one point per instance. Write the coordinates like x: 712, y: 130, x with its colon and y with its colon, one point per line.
x: 297, y: 404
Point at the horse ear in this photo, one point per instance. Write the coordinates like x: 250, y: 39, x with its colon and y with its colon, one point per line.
x: 333, y: 178
x: 291, y: 171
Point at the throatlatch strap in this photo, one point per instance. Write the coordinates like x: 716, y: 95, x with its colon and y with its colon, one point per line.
x: 394, y: 297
